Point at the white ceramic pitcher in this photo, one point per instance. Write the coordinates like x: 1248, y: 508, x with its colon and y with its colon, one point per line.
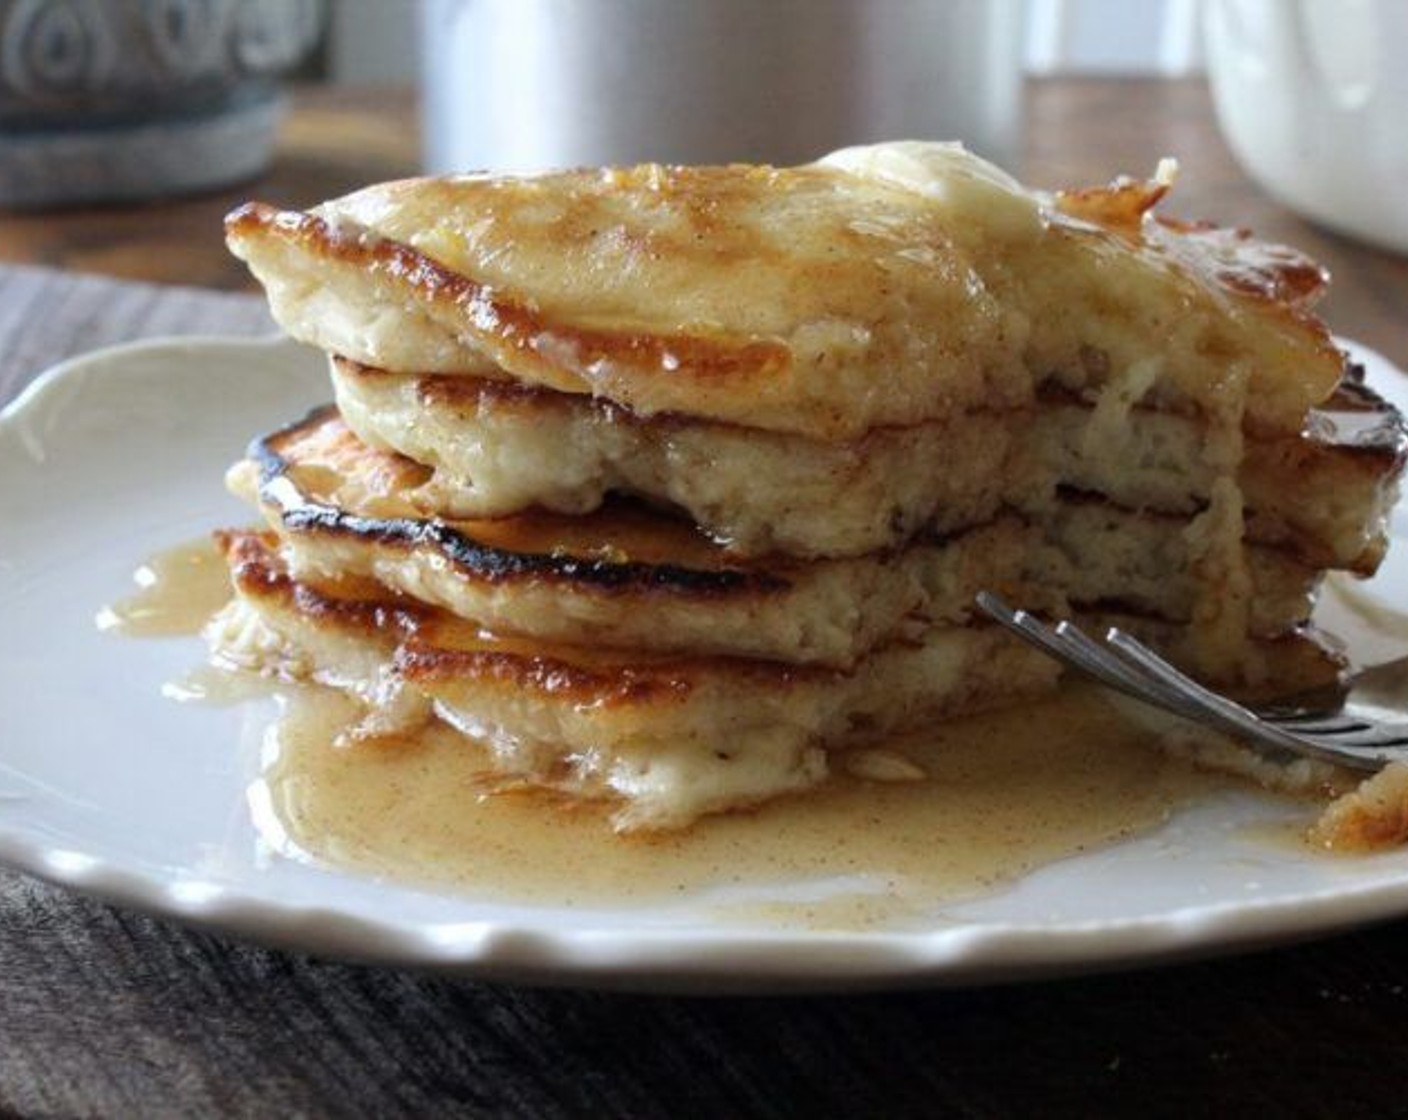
x: 1312, y: 96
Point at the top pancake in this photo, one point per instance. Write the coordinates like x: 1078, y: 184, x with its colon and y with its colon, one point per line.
x: 886, y: 285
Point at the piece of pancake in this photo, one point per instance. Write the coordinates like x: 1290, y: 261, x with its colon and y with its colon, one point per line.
x: 1324, y: 493
x: 880, y: 286
x: 670, y: 737
x: 630, y: 577
x: 497, y: 448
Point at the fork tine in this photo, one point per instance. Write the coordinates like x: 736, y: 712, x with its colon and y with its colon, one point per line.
x: 1057, y: 642
x: 1090, y: 658
x: 1226, y: 711
x: 1318, y: 725
x: 1068, y: 643
x: 1344, y: 728
x: 1140, y: 683
x: 1127, y: 665
x: 1388, y: 735
x: 1232, y: 716
x: 1021, y: 623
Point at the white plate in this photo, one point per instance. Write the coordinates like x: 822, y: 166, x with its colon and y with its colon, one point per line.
x: 108, y: 787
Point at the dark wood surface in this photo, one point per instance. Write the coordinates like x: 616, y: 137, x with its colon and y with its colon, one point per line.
x: 104, y: 1012
x: 331, y: 143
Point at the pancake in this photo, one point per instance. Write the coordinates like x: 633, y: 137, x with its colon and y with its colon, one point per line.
x: 888, y: 285
x: 497, y: 447
x: 669, y: 738
x: 630, y: 577
x: 661, y: 484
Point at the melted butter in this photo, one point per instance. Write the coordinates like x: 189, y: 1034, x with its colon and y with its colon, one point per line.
x: 997, y: 802
x: 179, y: 589
x: 973, y: 189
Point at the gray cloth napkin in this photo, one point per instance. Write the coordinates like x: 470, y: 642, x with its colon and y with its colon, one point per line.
x: 46, y: 316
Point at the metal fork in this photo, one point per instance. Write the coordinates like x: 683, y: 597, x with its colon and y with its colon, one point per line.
x: 1345, y: 738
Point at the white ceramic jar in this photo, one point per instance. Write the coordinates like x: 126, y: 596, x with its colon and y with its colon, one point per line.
x: 528, y: 84
x: 1312, y: 96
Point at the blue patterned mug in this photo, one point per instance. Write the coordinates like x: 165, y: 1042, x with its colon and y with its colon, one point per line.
x: 124, y: 99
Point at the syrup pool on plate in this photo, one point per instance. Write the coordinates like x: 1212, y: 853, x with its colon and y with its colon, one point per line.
x: 178, y: 590
x: 996, y: 802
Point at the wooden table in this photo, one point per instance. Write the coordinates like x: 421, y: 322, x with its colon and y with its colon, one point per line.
x: 105, y: 1012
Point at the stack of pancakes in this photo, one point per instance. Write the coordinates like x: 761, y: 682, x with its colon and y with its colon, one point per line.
x: 664, y: 483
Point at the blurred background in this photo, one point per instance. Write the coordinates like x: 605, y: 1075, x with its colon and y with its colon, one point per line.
x: 377, y: 41
x: 540, y: 82
x: 104, y: 100
x: 130, y: 128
